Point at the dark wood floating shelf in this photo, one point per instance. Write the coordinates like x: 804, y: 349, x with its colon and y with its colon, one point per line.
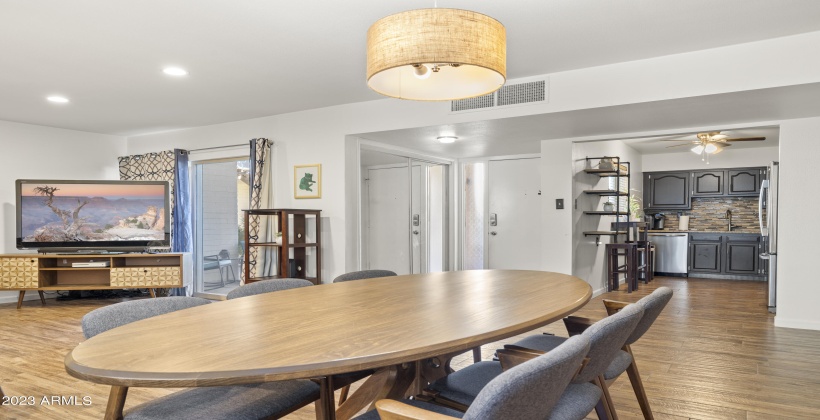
x: 606, y: 172
x: 605, y: 213
x: 603, y: 233
x: 606, y: 192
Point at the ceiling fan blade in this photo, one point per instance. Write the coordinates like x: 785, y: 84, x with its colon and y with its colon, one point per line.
x: 746, y: 139
x: 690, y: 141
x: 679, y: 145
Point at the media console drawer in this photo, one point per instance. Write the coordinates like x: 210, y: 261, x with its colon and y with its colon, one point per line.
x: 146, y: 277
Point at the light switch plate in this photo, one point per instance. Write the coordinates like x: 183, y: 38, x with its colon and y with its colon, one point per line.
x: 559, y: 203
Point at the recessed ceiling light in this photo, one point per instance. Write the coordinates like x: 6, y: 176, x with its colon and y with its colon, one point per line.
x: 175, y: 71
x: 58, y: 99
x: 447, y: 139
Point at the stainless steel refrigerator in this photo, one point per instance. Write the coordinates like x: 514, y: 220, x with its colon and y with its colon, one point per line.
x: 768, y: 228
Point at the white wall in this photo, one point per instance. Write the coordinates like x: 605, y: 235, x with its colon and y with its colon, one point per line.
x: 730, y: 158
x: 798, y: 287
x: 588, y: 258
x: 556, y: 225
x: 49, y: 153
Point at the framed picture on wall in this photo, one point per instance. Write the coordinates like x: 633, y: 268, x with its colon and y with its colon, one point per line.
x: 307, y: 181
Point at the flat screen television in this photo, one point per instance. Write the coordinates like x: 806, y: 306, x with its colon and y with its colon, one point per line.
x: 92, y: 216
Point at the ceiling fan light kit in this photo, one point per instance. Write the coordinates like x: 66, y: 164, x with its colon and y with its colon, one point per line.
x: 712, y: 143
x: 436, y: 55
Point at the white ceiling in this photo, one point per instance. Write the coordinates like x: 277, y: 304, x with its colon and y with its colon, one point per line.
x: 254, y: 58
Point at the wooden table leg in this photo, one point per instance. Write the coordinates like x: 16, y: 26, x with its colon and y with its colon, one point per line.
x: 389, y: 382
x: 42, y: 297
x: 20, y: 299
x: 152, y: 293
x: 116, y: 402
x: 326, y: 406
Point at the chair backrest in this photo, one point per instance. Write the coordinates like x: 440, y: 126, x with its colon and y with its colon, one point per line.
x: 224, y: 254
x: 606, y: 338
x: 103, y: 319
x: 531, y: 389
x: 364, y: 274
x: 652, y: 307
x: 267, y: 286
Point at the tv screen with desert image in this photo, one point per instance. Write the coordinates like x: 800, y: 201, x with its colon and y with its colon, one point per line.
x: 76, y: 212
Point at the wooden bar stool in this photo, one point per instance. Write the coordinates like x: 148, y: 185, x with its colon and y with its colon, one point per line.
x: 615, y: 268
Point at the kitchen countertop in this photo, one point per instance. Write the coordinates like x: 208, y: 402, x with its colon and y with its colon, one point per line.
x: 703, y: 231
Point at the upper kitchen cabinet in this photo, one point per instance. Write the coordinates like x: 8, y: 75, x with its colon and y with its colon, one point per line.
x: 740, y: 182
x: 666, y: 190
x: 708, y: 183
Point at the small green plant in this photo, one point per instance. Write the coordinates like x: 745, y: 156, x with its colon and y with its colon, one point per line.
x: 636, y: 205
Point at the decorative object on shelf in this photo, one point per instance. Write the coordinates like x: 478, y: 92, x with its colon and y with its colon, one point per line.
x: 307, y: 181
x: 278, y: 238
x: 436, y: 55
x: 609, y: 206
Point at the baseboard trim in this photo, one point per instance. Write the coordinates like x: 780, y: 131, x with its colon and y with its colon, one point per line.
x: 800, y: 324
x: 30, y: 295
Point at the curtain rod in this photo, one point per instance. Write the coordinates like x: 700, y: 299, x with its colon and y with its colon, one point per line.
x: 216, y: 147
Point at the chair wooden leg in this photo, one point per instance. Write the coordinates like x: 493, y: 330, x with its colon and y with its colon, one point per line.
x: 20, y: 299
x: 477, y: 354
x: 42, y: 297
x: 116, y: 402
x: 606, y: 398
x: 637, y: 386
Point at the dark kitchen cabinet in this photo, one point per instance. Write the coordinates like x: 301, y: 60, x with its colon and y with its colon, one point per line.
x: 708, y: 183
x: 742, y: 258
x: 740, y: 182
x: 667, y: 190
x: 705, y: 254
x: 726, y: 255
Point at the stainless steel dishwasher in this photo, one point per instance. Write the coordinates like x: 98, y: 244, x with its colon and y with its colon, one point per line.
x: 671, y: 253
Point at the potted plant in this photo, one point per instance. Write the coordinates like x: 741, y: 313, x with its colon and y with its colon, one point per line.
x: 278, y: 238
x: 636, y: 205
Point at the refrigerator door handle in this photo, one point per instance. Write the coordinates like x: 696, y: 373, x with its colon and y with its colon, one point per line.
x: 764, y: 186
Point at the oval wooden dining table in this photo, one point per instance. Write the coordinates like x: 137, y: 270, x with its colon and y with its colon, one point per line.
x: 318, y: 331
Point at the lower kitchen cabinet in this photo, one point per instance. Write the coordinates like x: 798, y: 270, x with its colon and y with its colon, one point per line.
x: 716, y: 255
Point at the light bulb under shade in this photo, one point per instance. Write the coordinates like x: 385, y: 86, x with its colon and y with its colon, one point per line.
x: 421, y: 71
x: 57, y: 99
x: 175, y: 71
x: 469, y: 48
x: 698, y: 149
x: 710, y: 148
x: 447, y: 139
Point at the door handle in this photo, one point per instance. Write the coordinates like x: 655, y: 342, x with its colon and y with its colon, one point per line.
x: 493, y: 219
x: 415, y: 232
x: 493, y: 233
x: 415, y: 220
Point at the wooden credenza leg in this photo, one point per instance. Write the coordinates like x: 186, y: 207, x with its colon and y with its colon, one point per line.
x: 152, y: 293
x: 116, y: 402
x: 20, y: 299
x: 42, y: 297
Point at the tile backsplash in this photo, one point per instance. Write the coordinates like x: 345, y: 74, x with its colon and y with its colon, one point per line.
x: 709, y: 215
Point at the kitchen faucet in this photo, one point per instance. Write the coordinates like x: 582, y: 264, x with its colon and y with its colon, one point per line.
x: 729, y: 220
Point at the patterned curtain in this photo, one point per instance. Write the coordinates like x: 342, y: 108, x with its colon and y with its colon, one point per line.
x: 171, y: 166
x: 262, y: 262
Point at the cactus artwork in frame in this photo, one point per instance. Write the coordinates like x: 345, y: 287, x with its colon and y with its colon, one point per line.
x: 307, y: 181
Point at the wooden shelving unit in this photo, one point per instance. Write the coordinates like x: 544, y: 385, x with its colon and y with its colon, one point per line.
x: 298, y: 253
x: 619, y: 170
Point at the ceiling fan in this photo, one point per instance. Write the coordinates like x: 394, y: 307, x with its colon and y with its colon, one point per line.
x: 711, y: 143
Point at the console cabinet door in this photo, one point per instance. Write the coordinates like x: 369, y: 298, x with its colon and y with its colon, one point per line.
x: 667, y: 190
x: 708, y: 183
x: 704, y: 257
x: 744, y: 181
x: 19, y: 273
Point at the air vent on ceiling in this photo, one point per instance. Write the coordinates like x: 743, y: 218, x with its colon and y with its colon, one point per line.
x: 522, y: 93
x: 486, y: 101
x: 514, y: 94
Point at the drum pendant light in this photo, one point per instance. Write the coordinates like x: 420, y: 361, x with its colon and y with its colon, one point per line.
x: 436, y: 55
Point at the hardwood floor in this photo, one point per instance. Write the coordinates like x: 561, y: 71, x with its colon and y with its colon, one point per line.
x: 712, y: 354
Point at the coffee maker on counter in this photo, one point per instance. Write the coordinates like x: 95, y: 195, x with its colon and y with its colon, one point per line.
x: 657, y: 221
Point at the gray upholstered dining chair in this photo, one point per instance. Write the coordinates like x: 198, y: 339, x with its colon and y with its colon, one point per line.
x: 364, y: 274
x: 254, y: 401
x: 266, y: 286
x: 529, y: 390
x: 624, y: 360
x: 586, y: 392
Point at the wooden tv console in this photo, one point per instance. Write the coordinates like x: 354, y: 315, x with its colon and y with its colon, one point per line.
x: 42, y: 272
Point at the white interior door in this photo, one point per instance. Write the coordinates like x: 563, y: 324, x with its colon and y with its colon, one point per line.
x: 389, y: 217
x: 514, y: 234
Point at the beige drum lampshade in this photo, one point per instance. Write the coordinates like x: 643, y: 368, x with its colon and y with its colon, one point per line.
x: 436, y: 55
